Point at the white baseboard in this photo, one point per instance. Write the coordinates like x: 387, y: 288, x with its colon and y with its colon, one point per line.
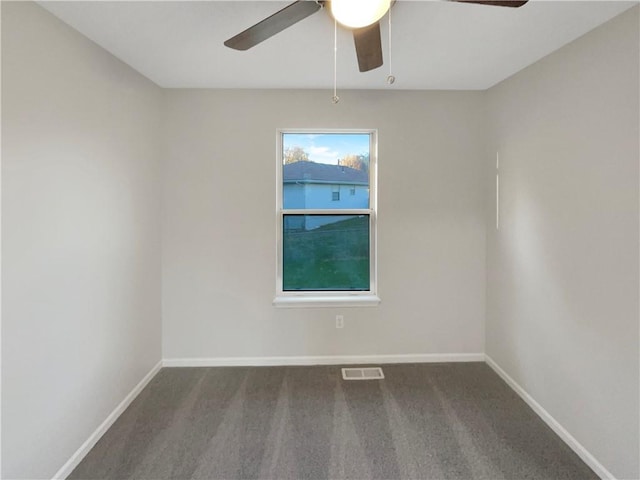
x: 322, y: 360
x: 569, y: 439
x: 77, y: 457
x: 580, y: 450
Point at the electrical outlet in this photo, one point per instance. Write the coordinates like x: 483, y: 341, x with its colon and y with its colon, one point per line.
x: 339, y: 321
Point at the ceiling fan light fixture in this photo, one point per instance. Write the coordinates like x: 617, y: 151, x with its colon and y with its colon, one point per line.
x: 358, y: 13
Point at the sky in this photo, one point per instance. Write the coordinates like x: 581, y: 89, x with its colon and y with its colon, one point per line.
x: 328, y: 147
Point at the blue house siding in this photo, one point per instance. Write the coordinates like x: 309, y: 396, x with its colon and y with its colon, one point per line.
x: 322, y: 195
x: 294, y: 196
x: 309, y: 185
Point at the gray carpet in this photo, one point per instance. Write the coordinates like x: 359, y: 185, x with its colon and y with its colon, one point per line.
x: 423, y: 421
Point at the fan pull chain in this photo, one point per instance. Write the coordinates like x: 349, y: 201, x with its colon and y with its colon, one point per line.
x: 390, y: 79
x: 335, y: 99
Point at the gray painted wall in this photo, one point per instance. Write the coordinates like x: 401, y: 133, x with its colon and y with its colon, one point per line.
x: 562, y: 308
x: 81, y: 237
x: 219, y: 224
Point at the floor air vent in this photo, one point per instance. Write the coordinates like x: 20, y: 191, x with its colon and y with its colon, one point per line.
x: 370, y: 373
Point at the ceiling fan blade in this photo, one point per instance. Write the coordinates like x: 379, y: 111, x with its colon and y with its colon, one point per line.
x: 273, y: 24
x: 497, y: 3
x: 368, y: 47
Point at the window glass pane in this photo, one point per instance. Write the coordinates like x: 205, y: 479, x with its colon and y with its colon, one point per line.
x: 316, y: 165
x: 325, y: 252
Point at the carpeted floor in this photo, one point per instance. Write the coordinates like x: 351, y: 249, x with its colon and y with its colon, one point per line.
x: 423, y: 421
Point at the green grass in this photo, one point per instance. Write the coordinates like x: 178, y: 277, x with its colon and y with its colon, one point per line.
x: 331, y: 257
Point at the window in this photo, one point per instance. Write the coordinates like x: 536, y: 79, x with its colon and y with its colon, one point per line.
x: 326, y: 243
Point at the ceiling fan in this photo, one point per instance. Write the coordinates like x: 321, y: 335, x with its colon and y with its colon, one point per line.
x: 360, y: 16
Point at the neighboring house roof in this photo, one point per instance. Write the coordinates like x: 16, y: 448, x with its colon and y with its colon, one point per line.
x: 312, y: 172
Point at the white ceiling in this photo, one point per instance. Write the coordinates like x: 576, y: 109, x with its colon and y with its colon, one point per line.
x: 436, y: 44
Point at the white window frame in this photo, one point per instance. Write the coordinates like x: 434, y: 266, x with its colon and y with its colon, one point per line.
x: 366, y: 298
x: 335, y: 189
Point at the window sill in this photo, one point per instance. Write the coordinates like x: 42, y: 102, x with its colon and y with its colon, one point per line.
x: 304, y: 301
